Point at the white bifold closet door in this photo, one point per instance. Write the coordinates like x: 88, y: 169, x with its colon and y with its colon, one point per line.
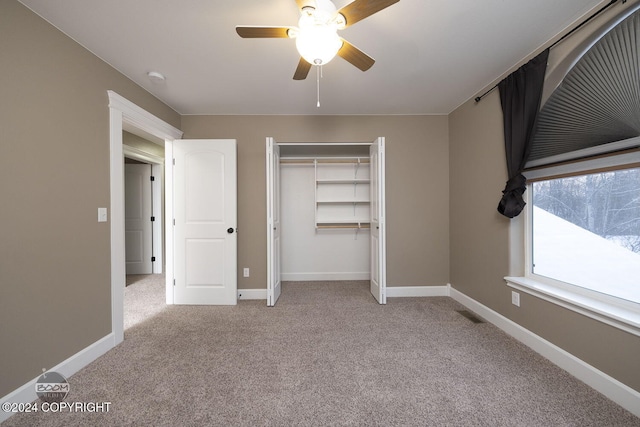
x: 377, y: 223
x: 273, y: 223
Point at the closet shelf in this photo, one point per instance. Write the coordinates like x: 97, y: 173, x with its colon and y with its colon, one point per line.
x: 343, y: 221
x: 343, y: 202
x: 324, y: 160
x: 342, y: 181
x: 341, y: 196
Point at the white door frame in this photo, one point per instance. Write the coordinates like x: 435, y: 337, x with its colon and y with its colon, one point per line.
x: 122, y: 111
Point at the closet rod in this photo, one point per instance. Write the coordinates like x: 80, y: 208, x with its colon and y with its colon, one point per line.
x: 306, y: 160
x: 356, y: 226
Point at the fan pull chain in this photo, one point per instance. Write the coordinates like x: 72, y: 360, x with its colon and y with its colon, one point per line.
x: 318, y: 73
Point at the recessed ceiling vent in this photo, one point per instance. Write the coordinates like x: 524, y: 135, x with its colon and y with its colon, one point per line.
x: 598, y: 102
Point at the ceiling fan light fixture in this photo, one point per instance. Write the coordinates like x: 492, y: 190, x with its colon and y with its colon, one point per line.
x: 317, y: 39
x: 317, y: 44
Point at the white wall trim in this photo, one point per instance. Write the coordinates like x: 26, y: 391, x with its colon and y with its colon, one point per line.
x: 325, y: 276
x: 142, y: 119
x: 393, y: 292
x: 67, y: 368
x: 116, y: 221
x: 246, y: 294
x: 417, y: 291
x: 168, y: 220
x: 620, y: 393
x: 121, y: 112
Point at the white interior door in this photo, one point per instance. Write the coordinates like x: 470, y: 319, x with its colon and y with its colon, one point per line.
x: 378, y: 227
x: 137, y: 215
x: 205, y: 215
x: 273, y: 223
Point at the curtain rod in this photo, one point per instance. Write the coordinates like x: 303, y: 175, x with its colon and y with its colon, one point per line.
x: 602, y: 9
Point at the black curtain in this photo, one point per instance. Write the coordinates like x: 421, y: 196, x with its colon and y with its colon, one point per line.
x: 520, y: 97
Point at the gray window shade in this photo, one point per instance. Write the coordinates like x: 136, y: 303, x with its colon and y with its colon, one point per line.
x: 596, y: 109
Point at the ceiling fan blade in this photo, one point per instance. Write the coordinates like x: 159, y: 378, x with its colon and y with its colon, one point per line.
x: 355, y: 56
x: 263, y: 32
x: 305, y: 3
x: 302, y: 71
x: 360, y: 9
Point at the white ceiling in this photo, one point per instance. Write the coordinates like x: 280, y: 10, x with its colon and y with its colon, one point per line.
x: 431, y: 55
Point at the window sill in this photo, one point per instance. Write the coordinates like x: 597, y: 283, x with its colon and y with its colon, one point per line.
x: 619, y: 316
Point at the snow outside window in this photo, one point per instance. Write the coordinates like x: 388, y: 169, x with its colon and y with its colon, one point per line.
x: 586, y: 232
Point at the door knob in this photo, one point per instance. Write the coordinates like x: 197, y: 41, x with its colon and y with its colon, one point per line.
x: 230, y: 230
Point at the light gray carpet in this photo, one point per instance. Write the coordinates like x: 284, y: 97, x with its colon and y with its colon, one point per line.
x: 328, y: 354
x: 144, y: 297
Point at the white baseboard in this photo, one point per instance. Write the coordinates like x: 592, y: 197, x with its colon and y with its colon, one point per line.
x: 620, y: 393
x: 252, y: 294
x: 392, y: 292
x: 27, y: 392
x: 417, y: 291
x: 302, y: 277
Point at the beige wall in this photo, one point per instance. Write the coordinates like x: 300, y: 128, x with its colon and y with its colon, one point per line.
x: 416, y: 184
x: 480, y: 253
x: 54, y: 174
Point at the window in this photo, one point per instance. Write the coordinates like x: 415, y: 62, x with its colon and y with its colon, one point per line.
x: 585, y: 231
x: 581, y: 238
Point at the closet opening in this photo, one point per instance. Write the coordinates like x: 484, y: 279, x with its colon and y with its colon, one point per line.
x: 326, y: 214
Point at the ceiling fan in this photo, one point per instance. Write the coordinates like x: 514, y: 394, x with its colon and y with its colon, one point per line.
x: 316, y: 36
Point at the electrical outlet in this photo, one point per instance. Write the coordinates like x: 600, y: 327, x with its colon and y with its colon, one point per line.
x: 515, y: 298
x: 245, y: 272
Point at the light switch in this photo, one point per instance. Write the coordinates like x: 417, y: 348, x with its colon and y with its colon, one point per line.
x: 102, y: 214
